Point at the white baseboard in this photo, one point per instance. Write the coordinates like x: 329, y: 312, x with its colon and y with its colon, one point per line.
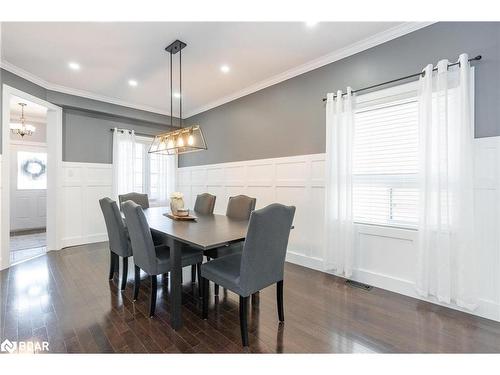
x: 486, y: 308
x: 302, y: 260
x: 82, y: 240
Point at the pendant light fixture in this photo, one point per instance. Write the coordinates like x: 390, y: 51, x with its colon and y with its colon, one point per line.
x: 183, y: 139
x: 21, y: 128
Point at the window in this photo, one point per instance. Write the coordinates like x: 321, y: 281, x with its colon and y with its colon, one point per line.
x: 385, y: 161
x: 147, y: 169
x: 31, y: 170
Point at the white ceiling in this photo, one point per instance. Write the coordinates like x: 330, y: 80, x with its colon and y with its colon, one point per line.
x: 110, y: 54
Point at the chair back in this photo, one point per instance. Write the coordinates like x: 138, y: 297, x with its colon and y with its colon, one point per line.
x: 264, y: 251
x: 117, y: 232
x: 240, y: 207
x: 140, y: 237
x: 138, y: 198
x: 205, y: 204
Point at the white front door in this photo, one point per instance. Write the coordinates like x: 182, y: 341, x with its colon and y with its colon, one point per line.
x: 28, y: 187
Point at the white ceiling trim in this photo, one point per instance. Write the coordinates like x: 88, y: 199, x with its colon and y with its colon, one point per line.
x: 71, y: 91
x: 352, y: 49
x: 339, y: 54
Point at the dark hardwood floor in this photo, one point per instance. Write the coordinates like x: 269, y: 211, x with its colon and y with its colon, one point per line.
x: 64, y: 297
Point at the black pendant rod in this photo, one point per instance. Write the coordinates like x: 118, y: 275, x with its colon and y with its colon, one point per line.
x: 180, y: 88
x: 171, y: 94
x: 173, y: 48
x: 477, y: 58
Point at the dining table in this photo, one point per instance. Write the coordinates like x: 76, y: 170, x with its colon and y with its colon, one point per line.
x: 205, y: 232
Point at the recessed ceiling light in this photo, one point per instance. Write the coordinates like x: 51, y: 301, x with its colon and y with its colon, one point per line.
x: 311, y: 24
x: 225, y: 69
x: 74, y: 66
x: 177, y: 95
x: 132, y: 82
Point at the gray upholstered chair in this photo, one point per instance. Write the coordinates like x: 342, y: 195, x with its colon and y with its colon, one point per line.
x: 259, y: 265
x: 138, y: 198
x: 204, y: 204
x: 238, y: 208
x: 143, y: 201
x: 119, y: 244
x: 154, y: 260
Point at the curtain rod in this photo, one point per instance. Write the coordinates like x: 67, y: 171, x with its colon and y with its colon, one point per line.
x: 120, y: 130
x: 477, y: 58
x: 130, y: 131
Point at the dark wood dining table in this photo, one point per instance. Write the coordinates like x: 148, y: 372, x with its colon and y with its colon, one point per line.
x: 207, y: 232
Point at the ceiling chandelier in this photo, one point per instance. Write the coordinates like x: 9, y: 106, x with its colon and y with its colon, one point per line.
x: 181, y: 140
x: 21, y: 128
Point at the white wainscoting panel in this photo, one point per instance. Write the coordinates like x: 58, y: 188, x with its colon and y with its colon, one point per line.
x: 83, y: 185
x: 297, y: 180
x: 384, y: 257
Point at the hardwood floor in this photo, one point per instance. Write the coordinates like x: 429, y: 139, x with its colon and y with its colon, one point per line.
x: 65, y: 298
x: 27, y: 244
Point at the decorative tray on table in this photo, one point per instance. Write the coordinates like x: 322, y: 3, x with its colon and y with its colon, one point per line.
x: 184, y: 216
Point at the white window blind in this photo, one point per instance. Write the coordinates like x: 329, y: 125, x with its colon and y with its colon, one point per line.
x: 385, y: 164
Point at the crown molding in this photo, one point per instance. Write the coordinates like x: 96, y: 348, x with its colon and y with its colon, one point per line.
x: 76, y: 92
x: 372, y: 41
x: 385, y: 36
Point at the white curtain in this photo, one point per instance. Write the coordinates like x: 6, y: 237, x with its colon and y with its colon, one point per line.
x: 447, y: 265
x: 123, y: 161
x: 167, y: 172
x: 338, y: 200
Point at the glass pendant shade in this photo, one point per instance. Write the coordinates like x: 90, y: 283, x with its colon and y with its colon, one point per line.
x: 179, y: 141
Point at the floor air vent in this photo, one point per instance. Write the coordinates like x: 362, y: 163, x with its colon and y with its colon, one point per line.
x: 356, y: 284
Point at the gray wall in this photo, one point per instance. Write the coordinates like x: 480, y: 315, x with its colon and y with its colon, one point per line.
x: 87, y: 136
x: 86, y: 122
x: 289, y: 118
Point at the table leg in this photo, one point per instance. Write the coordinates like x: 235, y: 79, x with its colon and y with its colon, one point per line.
x: 176, y: 284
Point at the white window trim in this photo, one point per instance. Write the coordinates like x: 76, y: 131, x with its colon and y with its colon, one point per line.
x: 398, y: 91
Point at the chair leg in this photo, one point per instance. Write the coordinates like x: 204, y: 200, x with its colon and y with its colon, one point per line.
x: 204, y: 285
x: 193, y: 274
x: 198, y: 273
x: 152, y: 297
x: 279, y: 300
x: 112, y: 264
x: 124, y: 273
x: 137, y: 282
x: 255, y: 298
x: 216, y: 287
x: 243, y: 320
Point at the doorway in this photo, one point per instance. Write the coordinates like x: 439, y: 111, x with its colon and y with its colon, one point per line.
x: 31, y: 176
x: 28, y: 180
